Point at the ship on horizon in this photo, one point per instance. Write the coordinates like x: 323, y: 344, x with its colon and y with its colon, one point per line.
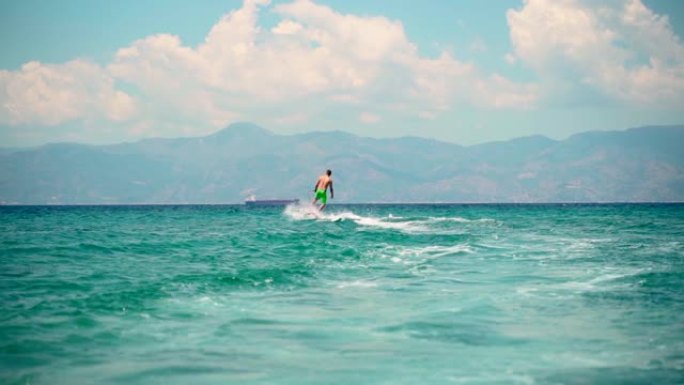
x: 252, y: 201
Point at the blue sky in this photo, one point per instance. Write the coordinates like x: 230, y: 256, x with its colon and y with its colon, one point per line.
x: 461, y: 71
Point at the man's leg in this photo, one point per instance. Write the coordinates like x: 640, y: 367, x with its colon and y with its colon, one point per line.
x: 324, y: 201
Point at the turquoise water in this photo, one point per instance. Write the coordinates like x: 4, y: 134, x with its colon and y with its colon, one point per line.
x: 372, y: 294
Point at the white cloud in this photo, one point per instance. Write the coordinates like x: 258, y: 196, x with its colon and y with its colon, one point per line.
x: 287, y: 27
x: 314, y: 54
x: 368, y: 118
x: 51, y: 94
x: 499, y: 92
x: 314, y: 58
x: 385, y: 65
x: 618, y: 48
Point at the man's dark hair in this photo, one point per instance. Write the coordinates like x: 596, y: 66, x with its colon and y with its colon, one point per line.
x: 328, y: 172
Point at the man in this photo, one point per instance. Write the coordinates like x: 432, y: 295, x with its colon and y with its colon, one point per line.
x: 321, y: 187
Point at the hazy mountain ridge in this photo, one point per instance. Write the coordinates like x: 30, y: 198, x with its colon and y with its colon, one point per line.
x: 640, y: 164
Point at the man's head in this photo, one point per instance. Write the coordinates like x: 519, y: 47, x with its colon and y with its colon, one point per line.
x: 328, y: 172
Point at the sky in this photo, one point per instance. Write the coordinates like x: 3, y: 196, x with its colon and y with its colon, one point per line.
x: 96, y: 71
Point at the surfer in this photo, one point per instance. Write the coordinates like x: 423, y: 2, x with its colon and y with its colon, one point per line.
x: 321, y: 189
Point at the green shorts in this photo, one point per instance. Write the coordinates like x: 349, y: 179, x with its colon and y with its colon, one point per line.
x: 322, y: 196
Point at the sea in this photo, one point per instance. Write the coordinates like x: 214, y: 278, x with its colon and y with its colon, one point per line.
x: 359, y: 294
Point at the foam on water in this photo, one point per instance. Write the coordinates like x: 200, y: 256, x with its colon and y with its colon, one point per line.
x: 460, y: 220
x: 303, y: 211
x: 420, y: 253
x: 357, y: 284
x: 306, y: 211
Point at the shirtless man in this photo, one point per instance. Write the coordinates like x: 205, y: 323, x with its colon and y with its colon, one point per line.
x: 320, y: 189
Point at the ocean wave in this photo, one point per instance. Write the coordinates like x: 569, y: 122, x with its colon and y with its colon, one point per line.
x: 461, y: 220
x: 412, y: 255
x: 357, y: 284
x: 607, y: 280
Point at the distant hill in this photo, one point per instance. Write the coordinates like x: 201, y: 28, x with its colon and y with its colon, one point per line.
x: 640, y: 164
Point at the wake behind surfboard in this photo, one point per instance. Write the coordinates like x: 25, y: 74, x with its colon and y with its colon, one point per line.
x: 307, y: 211
x: 302, y: 211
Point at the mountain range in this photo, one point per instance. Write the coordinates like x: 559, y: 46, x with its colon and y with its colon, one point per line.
x: 638, y: 164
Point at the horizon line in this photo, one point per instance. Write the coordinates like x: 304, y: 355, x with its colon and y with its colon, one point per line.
x: 345, y: 204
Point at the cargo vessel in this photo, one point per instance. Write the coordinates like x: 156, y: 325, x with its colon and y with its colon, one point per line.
x: 269, y: 202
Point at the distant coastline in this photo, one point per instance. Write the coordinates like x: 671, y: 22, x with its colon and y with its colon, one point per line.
x: 643, y: 164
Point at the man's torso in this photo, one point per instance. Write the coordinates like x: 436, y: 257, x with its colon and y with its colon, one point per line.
x: 323, y: 182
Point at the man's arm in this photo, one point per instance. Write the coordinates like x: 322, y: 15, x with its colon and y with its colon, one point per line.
x: 332, y: 193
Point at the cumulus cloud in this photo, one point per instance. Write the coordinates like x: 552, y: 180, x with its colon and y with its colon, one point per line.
x: 313, y: 59
x: 371, y: 60
x: 51, y: 94
x: 316, y: 59
x: 620, y: 49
